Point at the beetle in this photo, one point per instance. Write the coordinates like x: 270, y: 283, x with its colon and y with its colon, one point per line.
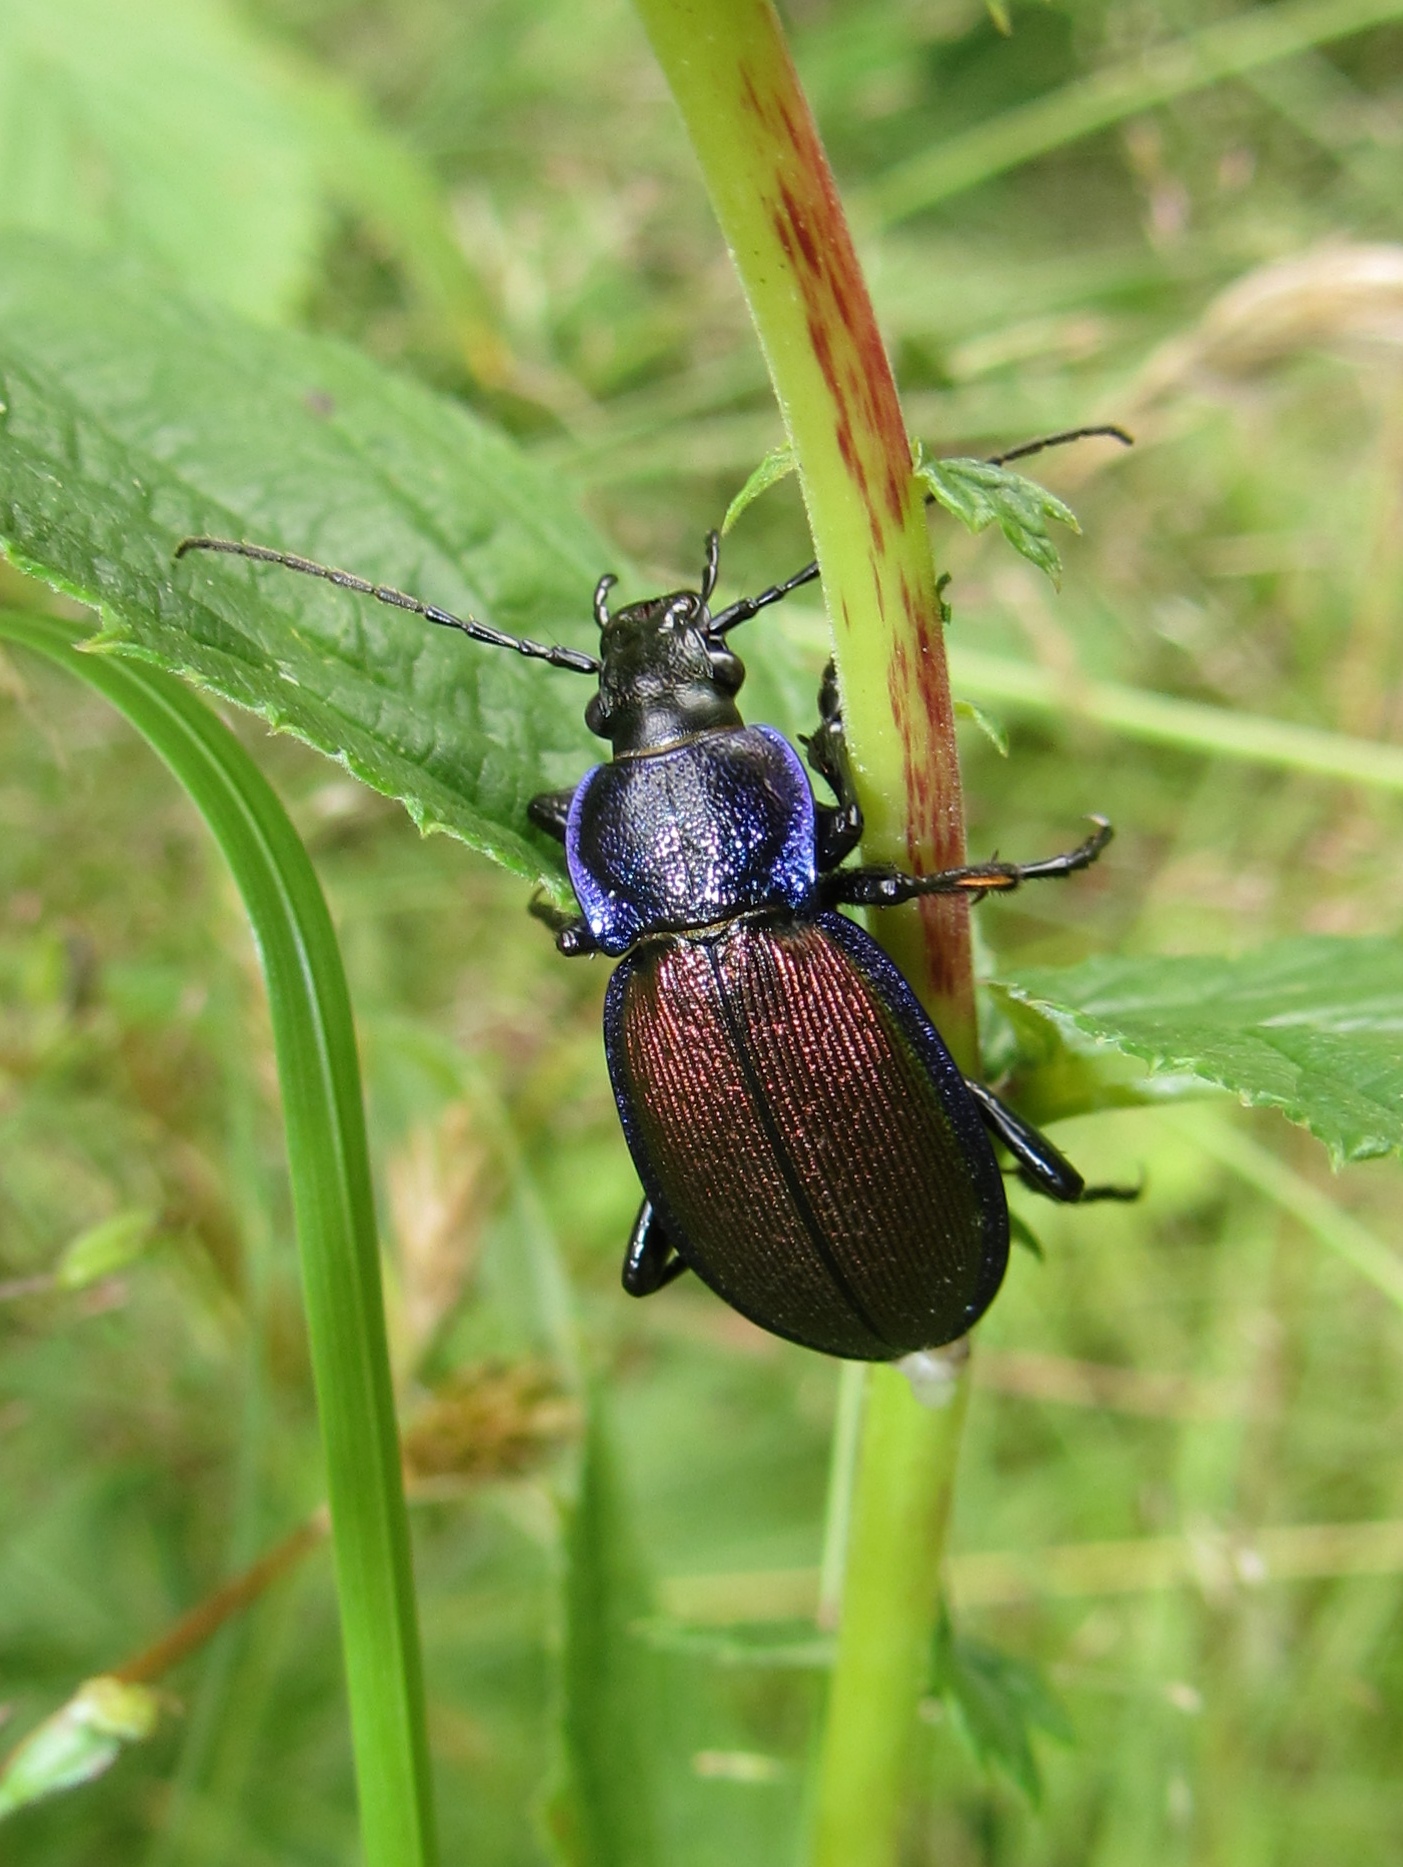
x: 805, y: 1141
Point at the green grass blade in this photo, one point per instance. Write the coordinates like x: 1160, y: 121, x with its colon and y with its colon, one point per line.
x: 609, y: 1710
x: 1327, y: 1221
x: 330, y: 1171
x: 1163, y: 719
x: 1261, y: 36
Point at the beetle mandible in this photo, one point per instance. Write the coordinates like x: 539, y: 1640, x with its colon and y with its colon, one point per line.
x: 805, y: 1141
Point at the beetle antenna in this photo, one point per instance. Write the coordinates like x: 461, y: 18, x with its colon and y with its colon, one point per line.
x: 384, y: 593
x: 713, y: 565
x: 601, y: 598
x: 749, y: 606
x: 1108, y: 433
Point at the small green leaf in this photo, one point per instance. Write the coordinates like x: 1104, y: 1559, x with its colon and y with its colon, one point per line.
x: 999, y: 14
x: 980, y: 494
x: 777, y: 465
x: 81, y: 1740
x: 987, y: 724
x: 105, y: 1249
x: 1310, y: 1026
x: 998, y: 1702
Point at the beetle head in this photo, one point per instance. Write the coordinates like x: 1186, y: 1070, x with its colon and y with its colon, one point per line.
x: 664, y: 675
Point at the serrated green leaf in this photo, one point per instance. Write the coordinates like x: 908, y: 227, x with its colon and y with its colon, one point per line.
x: 78, y: 1742
x: 1311, y: 1026
x: 777, y: 465
x: 132, y: 418
x: 980, y: 494
x: 1055, y: 1070
x: 608, y: 1817
x: 154, y: 126
x: 998, y: 1701
x: 104, y: 1249
x: 987, y: 724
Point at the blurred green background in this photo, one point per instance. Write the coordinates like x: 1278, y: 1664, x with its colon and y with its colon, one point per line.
x: 1172, y: 1380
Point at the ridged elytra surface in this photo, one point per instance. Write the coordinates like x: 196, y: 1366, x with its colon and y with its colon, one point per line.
x: 805, y: 1136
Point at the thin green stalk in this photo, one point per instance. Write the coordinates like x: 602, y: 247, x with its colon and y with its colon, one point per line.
x: 1163, y: 720
x: 842, y: 1484
x: 1261, y: 36
x: 335, y: 1217
x: 906, y: 1482
x: 774, y: 196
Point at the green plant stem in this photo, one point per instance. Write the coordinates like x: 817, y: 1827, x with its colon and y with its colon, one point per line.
x: 205, y: 1619
x: 904, y: 1490
x: 329, y: 1167
x: 774, y: 196
x: 1260, y: 36
x: 842, y: 1482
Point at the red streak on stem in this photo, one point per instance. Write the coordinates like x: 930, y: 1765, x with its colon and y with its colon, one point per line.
x: 871, y: 440
x: 810, y: 227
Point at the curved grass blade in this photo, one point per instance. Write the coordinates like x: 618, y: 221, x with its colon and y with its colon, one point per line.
x: 1227, y: 48
x: 330, y: 1171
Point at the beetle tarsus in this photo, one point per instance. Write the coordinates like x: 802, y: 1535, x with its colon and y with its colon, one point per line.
x: 650, y: 1261
x: 1040, y: 1165
x: 1126, y: 1193
x: 875, y: 887
x: 572, y: 934
x: 838, y: 828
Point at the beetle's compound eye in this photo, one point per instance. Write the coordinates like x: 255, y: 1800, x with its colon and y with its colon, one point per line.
x: 727, y: 670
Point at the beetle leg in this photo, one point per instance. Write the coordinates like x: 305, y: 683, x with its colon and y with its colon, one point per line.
x: 550, y: 810
x: 888, y: 888
x: 1040, y: 1165
x: 650, y: 1261
x: 572, y: 936
x: 839, y: 830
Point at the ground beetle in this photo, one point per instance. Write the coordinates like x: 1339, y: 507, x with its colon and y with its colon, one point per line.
x: 806, y: 1143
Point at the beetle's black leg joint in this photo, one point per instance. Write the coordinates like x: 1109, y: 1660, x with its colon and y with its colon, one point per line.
x: 1041, y: 1166
x: 650, y: 1261
x: 572, y: 935
x: 839, y: 829
x: 550, y: 810
x: 888, y: 888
